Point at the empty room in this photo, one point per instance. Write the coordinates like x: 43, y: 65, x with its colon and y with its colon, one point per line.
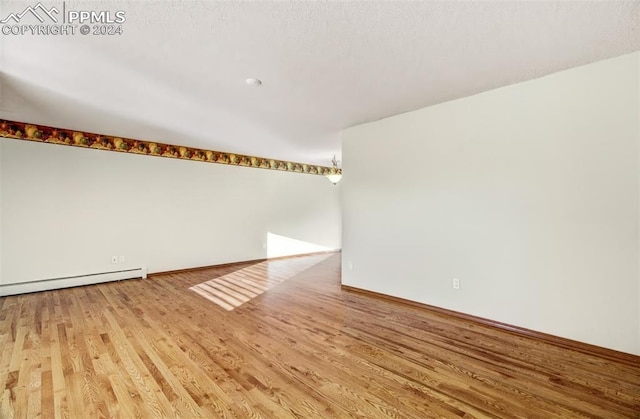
x: 319, y: 209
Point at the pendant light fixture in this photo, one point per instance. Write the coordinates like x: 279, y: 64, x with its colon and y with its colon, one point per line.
x: 336, y: 174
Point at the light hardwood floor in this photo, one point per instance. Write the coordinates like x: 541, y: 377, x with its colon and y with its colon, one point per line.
x: 304, y: 348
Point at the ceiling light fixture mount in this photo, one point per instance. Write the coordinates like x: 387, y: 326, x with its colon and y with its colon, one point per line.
x: 336, y: 174
x: 253, y: 82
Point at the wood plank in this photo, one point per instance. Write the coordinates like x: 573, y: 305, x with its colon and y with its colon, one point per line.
x: 304, y: 348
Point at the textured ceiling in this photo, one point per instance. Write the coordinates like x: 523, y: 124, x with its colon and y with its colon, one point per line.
x: 177, y: 72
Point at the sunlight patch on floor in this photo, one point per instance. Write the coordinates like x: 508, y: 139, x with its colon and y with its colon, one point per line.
x: 236, y: 288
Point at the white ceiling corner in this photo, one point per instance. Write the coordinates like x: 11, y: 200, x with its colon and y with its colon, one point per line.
x: 177, y: 73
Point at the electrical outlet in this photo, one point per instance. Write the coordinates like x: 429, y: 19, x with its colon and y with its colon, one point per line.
x: 114, y: 259
x: 121, y: 259
x: 456, y: 284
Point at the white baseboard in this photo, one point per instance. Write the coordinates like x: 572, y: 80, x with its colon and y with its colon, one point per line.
x: 72, y: 281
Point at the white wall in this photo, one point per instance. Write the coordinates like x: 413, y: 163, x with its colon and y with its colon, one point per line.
x: 66, y: 211
x: 1, y: 145
x: 528, y: 194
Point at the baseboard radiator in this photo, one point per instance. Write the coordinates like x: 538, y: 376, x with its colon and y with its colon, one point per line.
x: 71, y: 281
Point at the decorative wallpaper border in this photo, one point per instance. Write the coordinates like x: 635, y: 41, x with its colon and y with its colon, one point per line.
x: 46, y: 134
